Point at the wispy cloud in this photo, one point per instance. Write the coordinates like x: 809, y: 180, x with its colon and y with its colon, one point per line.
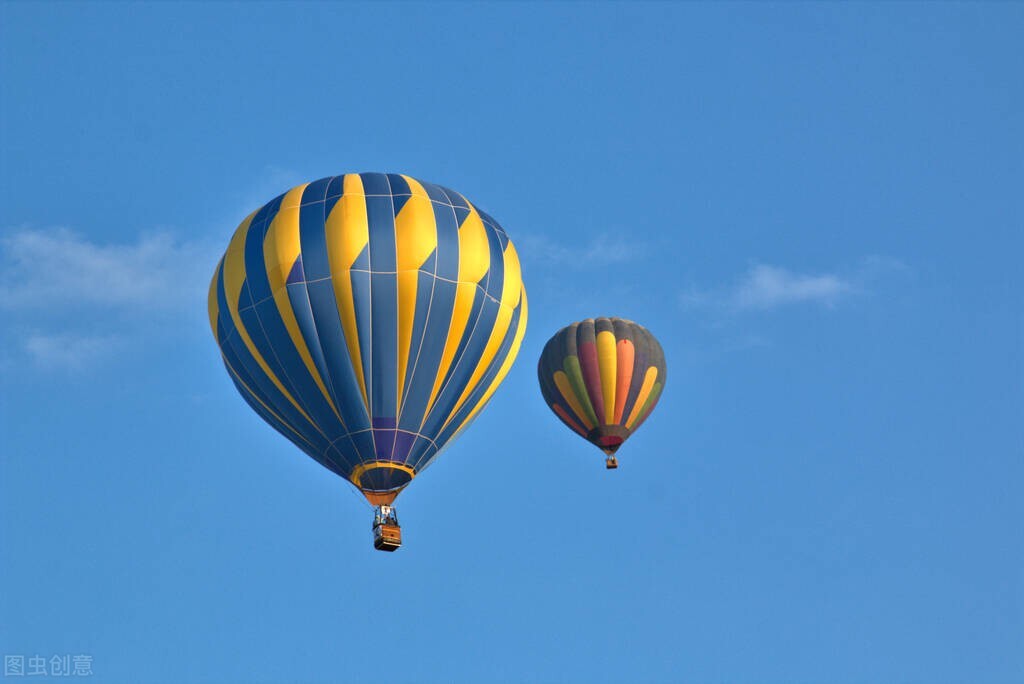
x: 70, y: 302
x: 765, y: 287
x: 69, y: 351
x: 603, y: 249
x: 57, y: 267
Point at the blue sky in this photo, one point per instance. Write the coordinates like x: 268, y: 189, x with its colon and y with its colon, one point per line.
x: 815, y: 207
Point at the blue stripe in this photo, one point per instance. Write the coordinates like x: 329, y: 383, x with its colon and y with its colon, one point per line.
x: 423, y: 451
x: 270, y: 335
x: 363, y: 443
x: 375, y: 184
x: 400, y: 192
x: 434, y: 302
x: 334, y: 190
x: 381, y: 220
x: 470, y: 351
x: 424, y: 292
x: 299, y: 299
x: 447, y: 242
x: 361, y: 299
x: 316, y: 191
x: 313, y: 241
x: 494, y: 226
x: 384, y: 403
x: 384, y: 319
x: 495, y: 278
x: 345, y: 387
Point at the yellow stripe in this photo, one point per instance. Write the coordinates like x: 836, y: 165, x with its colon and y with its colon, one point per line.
x: 234, y: 279
x: 474, y: 260
x: 474, y: 250
x: 505, y: 366
x: 360, y: 469
x: 415, y: 241
x: 651, y: 398
x: 415, y: 230
x: 281, y: 249
x: 641, y: 398
x: 212, y: 305
x: 565, y: 387
x: 512, y: 288
x: 348, y: 233
x: 607, y: 356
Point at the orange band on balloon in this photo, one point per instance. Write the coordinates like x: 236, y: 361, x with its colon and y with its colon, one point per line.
x: 624, y: 369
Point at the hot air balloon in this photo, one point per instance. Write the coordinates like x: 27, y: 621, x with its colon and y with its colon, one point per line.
x: 602, y: 378
x: 369, y: 318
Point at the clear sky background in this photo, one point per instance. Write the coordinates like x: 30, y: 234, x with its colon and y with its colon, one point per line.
x: 816, y: 208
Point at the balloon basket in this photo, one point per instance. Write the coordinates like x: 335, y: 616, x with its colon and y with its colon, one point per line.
x: 387, y: 533
x: 611, y: 463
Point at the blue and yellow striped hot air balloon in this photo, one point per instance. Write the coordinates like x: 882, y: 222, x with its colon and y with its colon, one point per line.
x: 368, y: 318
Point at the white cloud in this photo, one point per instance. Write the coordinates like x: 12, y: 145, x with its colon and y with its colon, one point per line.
x: 60, y: 268
x: 765, y: 287
x: 58, y: 289
x: 68, y: 351
x: 601, y: 250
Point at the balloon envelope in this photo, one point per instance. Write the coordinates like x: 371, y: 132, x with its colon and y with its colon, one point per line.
x: 368, y: 318
x: 602, y: 377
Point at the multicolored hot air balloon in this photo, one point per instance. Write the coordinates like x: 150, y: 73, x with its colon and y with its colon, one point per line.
x: 368, y: 318
x: 602, y: 378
